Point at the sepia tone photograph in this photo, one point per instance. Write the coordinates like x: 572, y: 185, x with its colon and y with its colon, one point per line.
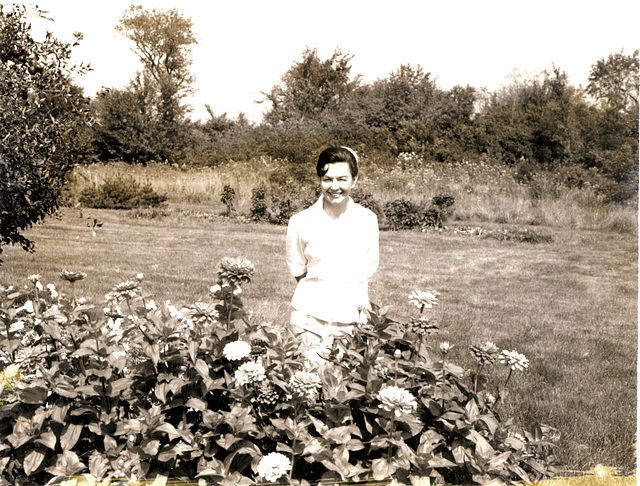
x: 328, y: 243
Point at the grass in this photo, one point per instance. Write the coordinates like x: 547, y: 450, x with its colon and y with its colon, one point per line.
x: 569, y: 305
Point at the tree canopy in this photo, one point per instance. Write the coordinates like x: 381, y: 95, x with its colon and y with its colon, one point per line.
x: 41, y: 116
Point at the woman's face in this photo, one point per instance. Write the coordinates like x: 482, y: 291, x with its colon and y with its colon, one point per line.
x: 337, y: 183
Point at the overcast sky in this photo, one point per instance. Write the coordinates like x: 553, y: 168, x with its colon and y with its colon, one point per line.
x: 246, y: 46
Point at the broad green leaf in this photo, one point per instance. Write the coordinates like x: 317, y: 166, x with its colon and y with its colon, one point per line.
x: 381, y: 468
x: 32, y: 461
x: 47, y: 439
x: 34, y: 395
x: 151, y: 447
x: 70, y: 435
x: 197, y: 403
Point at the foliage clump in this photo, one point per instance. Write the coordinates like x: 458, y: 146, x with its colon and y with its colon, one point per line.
x: 41, y: 114
x: 121, y: 192
x: 208, y: 392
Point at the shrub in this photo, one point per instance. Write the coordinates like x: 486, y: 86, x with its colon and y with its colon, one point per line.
x: 402, y: 214
x: 282, y: 208
x: 206, y: 391
x: 367, y: 199
x: 228, y: 198
x: 120, y: 192
x: 441, y: 209
x: 258, y: 209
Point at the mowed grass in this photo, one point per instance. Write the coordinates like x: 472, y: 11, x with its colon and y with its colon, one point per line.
x: 570, y: 306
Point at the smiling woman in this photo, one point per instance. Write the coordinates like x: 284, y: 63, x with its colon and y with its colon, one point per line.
x: 332, y: 252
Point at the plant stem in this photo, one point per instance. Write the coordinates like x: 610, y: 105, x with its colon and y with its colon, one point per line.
x: 233, y: 287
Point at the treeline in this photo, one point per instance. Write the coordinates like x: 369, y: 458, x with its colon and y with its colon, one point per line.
x: 542, y: 120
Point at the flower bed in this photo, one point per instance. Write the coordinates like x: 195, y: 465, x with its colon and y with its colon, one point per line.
x: 206, y: 392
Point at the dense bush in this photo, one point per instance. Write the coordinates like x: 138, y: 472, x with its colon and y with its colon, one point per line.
x: 402, y: 214
x: 207, y: 392
x: 259, y: 211
x: 120, y: 192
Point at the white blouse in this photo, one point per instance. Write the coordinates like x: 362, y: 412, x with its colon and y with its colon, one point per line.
x: 338, y: 255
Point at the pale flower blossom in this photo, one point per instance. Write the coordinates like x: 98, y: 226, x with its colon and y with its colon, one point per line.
x: 140, y: 277
x: 39, y: 286
x: 273, y: 466
x: 34, y: 278
x: 397, y: 400
x: 445, y: 347
x: 250, y: 372
x: 514, y: 360
x: 237, y: 350
x: 53, y: 291
x: 306, y: 384
x: 16, y: 326
x: 424, y: 300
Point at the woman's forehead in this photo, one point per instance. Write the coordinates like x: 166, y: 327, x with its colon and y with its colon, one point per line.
x: 338, y: 169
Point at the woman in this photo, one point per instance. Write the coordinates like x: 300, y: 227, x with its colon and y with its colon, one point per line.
x: 332, y: 252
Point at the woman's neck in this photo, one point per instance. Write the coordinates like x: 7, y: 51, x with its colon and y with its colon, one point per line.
x: 334, y: 211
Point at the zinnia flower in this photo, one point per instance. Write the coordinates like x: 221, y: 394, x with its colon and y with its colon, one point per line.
x: 397, y: 400
x: 445, y: 347
x: 72, y: 277
x: 127, y: 289
x: 236, y: 350
x: 235, y: 271
x: 250, y: 372
x: 514, y: 360
x: 424, y: 300
x: 273, y: 466
x: 485, y: 353
x: 306, y: 384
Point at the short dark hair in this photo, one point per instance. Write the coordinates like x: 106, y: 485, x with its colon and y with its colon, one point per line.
x: 333, y: 155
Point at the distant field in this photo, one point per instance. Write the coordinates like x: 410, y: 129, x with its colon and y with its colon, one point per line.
x: 483, y: 192
x: 570, y: 306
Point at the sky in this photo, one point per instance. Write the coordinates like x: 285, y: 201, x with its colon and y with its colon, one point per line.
x: 246, y: 46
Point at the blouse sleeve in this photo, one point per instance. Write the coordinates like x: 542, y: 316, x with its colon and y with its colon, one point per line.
x: 296, y: 260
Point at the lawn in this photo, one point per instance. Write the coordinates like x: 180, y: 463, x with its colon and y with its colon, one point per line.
x: 570, y: 306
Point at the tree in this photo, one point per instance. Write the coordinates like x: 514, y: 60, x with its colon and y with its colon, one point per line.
x: 312, y: 89
x: 406, y: 95
x: 42, y: 115
x: 162, y: 40
x: 614, y: 81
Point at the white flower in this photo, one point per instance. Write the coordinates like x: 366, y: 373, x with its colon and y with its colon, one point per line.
x: 39, y: 286
x: 397, y: 400
x: 250, y: 372
x: 28, y: 306
x: 150, y: 305
x: 445, y: 347
x: 514, y: 360
x: 273, y: 466
x: 215, y: 289
x: 424, y: 300
x: 16, y: 326
x: 82, y: 301
x: 140, y: 277
x: 53, y: 291
x: 236, y: 350
x: 306, y: 384
x: 34, y: 278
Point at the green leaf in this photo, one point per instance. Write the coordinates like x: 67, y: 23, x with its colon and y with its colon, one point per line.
x: 197, y: 403
x: 32, y: 461
x: 34, y: 395
x: 202, y: 368
x: 47, y: 439
x: 70, y: 435
x: 151, y: 447
x: 381, y: 468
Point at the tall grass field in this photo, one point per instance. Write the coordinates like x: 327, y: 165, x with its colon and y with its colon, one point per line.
x: 569, y: 304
